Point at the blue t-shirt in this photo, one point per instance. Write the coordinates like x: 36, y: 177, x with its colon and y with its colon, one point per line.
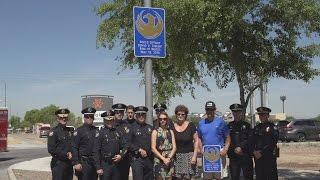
x: 213, y: 132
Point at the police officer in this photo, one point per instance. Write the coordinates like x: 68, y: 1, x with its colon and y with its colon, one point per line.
x: 123, y: 128
x: 107, y: 148
x: 239, y: 152
x: 82, y: 147
x: 265, y: 147
x: 160, y: 107
x: 140, y: 146
x: 59, y: 146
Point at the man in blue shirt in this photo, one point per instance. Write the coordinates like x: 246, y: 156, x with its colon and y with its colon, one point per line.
x: 214, y: 131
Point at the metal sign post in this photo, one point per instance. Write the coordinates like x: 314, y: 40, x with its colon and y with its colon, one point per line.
x: 149, y: 42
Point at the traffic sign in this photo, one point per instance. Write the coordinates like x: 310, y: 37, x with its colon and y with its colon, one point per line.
x: 149, y: 32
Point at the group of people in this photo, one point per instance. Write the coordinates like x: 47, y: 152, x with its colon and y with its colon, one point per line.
x: 166, y: 150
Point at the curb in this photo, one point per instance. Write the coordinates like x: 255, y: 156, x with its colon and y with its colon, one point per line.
x: 10, y: 173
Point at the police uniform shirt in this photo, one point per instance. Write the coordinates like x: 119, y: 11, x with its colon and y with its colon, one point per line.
x: 108, y: 143
x: 265, y: 138
x: 59, y: 142
x: 83, y: 141
x: 140, y: 137
x: 240, y: 133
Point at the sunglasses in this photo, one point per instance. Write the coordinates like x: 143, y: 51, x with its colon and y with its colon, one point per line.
x: 89, y: 116
x: 140, y: 114
x: 118, y: 111
x: 163, y: 119
x: 180, y: 114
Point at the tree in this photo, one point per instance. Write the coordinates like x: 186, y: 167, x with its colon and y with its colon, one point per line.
x: 32, y: 116
x: 47, y: 115
x: 247, y: 41
x: 15, y: 122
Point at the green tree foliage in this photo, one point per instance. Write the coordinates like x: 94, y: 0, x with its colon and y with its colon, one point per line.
x: 244, y: 41
x: 15, y: 122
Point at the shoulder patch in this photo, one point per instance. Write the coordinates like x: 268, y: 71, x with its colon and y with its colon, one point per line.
x: 51, y: 133
x: 75, y: 133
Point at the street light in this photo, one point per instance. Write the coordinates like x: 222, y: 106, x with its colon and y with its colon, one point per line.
x: 283, y: 98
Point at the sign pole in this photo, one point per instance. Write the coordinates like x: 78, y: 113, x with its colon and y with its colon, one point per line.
x: 148, y: 81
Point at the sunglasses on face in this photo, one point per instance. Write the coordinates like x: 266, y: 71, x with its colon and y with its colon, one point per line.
x: 181, y: 114
x: 140, y: 114
x: 89, y: 116
x: 163, y: 119
x: 118, y: 111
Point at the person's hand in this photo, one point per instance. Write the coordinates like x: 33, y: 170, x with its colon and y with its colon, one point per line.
x: 167, y: 161
x: 257, y: 154
x: 194, y: 160
x: 223, y: 152
x: 238, y: 151
x: 78, y: 167
x: 116, y: 158
x: 100, y: 172
x: 143, y: 153
x: 69, y: 155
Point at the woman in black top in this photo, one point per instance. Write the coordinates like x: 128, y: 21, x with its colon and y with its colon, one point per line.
x: 187, y: 145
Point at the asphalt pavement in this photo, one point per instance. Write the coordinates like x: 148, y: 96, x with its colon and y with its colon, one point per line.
x: 14, y: 156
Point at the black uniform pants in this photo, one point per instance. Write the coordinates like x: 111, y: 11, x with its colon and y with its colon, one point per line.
x: 88, y: 171
x: 124, y: 165
x: 241, y: 163
x: 266, y: 168
x: 110, y: 171
x: 61, y: 170
x: 142, y: 169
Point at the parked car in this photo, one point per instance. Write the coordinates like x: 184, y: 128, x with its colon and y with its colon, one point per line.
x: 44, y: 131
x: 300, y: 130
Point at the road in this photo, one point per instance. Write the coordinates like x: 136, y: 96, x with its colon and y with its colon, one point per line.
x: 14, y: 156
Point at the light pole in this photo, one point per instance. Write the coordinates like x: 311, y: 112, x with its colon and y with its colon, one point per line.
x: 283, y: 98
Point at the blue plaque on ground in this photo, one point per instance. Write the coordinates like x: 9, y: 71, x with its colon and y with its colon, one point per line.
x: 149, y: 32
x: 211, y: 158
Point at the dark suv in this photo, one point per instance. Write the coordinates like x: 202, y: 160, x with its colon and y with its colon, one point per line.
x: 300, y: 130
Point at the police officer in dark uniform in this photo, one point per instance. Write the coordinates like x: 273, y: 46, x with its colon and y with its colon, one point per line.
x: 158, y: 108
x: 107, y: 148
x: 265, y: 147
x: 140, y: 146
x: 123, y: 128
x: 82, y: 147
x: 59, y: 146
x: 240, y: 151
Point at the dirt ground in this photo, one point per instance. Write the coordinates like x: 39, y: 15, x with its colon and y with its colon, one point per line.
x: 300, y: 156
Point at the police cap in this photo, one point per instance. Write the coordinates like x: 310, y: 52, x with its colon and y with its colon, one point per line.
x: 140, y: 109
x: 88, y: 110
x: 62, y: 112
x: 263, y: 110
x: 108, y: 115
x: 119, y: 107
x: 236, y: 107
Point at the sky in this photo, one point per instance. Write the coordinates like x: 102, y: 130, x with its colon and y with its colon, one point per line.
x: 48, y: 55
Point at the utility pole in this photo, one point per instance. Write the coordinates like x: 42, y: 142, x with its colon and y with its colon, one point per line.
x: 148, y: 81
x: 283, y: 98
x: 5, y: 94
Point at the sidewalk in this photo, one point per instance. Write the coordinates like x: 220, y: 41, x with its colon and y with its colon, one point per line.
x: 40, y: 169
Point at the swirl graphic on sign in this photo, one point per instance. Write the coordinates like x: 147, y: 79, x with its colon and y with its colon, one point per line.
x: 152, y: 27
x: 212, y: 154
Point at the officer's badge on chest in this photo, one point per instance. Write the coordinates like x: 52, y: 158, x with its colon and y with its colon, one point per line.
x: 97, y: 134
x: 51, y: 133
x: 75, y: 133
x: 126, y: 129
x: 149, y: 130
x: 268, y: 129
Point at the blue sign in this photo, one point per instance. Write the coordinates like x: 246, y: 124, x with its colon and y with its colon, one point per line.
x: 149, y: 32
x: 211, y: 158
